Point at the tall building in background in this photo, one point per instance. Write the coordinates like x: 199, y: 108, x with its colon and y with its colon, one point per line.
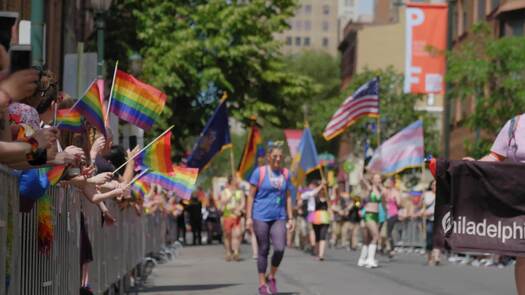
x: 314, y: 27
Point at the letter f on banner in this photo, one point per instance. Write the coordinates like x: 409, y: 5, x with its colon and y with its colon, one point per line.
x: 425, y: 37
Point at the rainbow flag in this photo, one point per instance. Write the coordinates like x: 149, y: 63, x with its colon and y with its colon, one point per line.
x: 92, y: 108
x: 181, y: 181
x: 249, y: 155
x: 185, y: 179
x: 70, y: 120
x: 135, y: 101
x: 158, y: 156
x: 55, y: 174
x: 139, y: 189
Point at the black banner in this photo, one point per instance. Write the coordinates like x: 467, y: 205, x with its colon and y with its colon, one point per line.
x: 480, y: 207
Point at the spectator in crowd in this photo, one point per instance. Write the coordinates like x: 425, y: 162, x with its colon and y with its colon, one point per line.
x: 427, y: 213
x: 194, y: 210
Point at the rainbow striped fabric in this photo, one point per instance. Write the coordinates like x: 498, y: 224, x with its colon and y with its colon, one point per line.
x: 139, y: 189
x: 158, y: 156
x: 135, y: 101
x: 181, y: 181
x: 92, y: 108
x: 54, y: 174
x: 70, y: 120
x: 185, y: 179
x: 249, y: 155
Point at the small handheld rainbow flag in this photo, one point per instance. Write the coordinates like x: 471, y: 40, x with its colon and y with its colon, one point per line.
x: 249, y: 155
x: 185, y: 179
x: 181, y: 181
x: 135, y: 101
x: 139, y: 189
x: 55, y: 174
x: 158, y: 156
x: 70, y: 120
x: 92, y: 108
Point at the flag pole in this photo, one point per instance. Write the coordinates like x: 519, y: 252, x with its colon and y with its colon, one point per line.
x: 144, y: 148
x: 232, y: 158
x: 137, y: 177
x: 378, y: 131
x: 111, y: 92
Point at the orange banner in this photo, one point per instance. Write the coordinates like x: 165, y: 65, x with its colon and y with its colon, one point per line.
x: 426, y: 42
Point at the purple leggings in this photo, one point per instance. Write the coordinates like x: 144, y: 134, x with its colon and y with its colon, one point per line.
x: 264, y: 231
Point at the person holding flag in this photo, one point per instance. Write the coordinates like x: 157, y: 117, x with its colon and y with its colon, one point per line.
x: 269, y: 214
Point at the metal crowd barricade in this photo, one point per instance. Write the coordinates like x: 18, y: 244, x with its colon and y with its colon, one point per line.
x: 117, y: 249
x: 409, y: 233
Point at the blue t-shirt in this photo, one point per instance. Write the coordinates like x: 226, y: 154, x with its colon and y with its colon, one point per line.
x: 270, y: 201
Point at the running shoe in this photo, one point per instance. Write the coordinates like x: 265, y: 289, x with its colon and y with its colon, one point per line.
x: 361, y: 262
x: 264, y: 290
x: 372, y: 264
x: 272, y: 285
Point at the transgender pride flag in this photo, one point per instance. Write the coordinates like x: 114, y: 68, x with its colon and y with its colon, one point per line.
x: 401, y: 151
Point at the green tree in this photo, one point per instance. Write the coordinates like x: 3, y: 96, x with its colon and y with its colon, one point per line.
x: 489, y: 71
x: 323, y: 71
x: 193, y: 47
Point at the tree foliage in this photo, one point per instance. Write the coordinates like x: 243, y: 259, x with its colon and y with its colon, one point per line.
x: 194, y: 49
x: 491, y: 72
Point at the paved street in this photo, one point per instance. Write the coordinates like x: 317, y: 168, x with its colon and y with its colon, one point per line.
x: 202, y: 270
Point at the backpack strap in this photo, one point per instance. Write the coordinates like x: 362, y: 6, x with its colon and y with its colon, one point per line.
x: 262, y: 174
x: 512, y: 129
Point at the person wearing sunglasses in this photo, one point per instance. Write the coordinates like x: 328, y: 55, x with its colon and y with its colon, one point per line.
x: 269, y: 214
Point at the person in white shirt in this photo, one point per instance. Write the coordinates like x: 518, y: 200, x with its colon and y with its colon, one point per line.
x: 309, y: 197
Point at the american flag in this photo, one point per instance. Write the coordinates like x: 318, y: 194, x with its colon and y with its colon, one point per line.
x: 364, y: 102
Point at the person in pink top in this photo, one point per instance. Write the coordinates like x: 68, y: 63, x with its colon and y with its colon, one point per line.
x: 510, y: 146
x: 392, y: 199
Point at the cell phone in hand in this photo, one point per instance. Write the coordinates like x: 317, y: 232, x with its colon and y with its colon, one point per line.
x: 7, y: 21
x: 20, y: 57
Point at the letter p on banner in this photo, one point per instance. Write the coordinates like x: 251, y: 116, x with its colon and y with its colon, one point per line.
x: 426, y: 42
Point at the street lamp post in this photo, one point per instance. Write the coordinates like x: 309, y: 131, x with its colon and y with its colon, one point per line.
x: 100, y: 8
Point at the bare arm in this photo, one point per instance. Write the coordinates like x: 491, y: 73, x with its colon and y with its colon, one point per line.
x: 249, y: 201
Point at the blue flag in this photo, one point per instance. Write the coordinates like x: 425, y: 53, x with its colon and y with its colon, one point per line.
x: 305, y: 161
x: 214, y: 138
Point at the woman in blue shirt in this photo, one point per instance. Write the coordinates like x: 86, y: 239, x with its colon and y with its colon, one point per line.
x: 269, y: 213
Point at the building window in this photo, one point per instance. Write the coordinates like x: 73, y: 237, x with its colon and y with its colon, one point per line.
x: 326, y: 26
x: 307, y: 25
x: 325, y: 42
x: 308, y: 9
x: 326, y: 9
x: 349, y: 3
x: 297, y: 41
x: 298, y: 25
x: 481, y: 10
x: 306, y: 41
x: 288, y: 40
x: 516, y: 27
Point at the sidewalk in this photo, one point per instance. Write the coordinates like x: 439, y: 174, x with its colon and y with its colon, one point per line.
x: 202, y: 270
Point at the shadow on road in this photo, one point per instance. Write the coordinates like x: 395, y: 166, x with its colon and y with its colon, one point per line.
x: 184, y: 288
